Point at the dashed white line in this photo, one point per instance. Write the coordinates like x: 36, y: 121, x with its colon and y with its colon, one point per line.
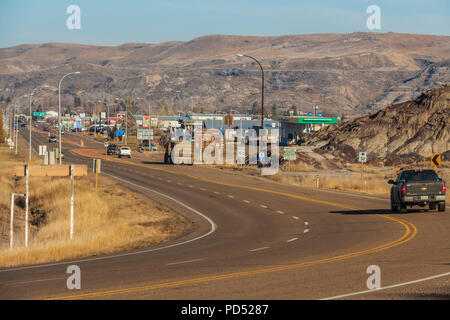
x: 258, y: 249
x: 306, y: 223
x: 216, y: 192
x: 230, y: 196
x: 280, y: 212
x: 263, y: 206
x: 293, y: 239
x: 306, y: 230
x: 296, y: 218
x: 203, y: 189
x: 246, y: 201
x: 180, y: 262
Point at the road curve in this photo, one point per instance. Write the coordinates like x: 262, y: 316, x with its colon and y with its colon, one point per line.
x: 253, y: 239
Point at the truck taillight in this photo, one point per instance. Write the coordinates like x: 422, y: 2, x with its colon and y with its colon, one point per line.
x: 444, y: 188
x: 403, y: 189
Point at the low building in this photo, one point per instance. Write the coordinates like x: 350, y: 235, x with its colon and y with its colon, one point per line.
x: 292, y: 126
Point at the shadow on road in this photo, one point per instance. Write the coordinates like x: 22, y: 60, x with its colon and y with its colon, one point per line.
x: 377, y: 211
x: 152, y: 162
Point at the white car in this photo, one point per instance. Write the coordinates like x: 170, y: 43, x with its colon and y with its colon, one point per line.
x: 124, y: 152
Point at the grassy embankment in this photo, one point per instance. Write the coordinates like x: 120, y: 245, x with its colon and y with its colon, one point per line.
x: 110, y: 221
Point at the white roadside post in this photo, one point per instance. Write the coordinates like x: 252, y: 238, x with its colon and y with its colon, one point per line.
x: 11, y: 224
x: 26, y: 203
x: 71, y: 200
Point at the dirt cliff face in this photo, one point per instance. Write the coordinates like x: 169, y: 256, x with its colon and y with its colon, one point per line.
x: 413, y: 129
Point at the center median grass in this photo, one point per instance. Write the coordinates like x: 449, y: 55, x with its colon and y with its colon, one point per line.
x: 109, y: 221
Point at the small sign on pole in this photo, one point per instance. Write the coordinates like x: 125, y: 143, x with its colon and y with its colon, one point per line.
x: 362, y: 157
x: 435, y: 160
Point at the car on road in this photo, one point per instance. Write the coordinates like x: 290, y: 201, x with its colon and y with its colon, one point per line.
x: 124, y: 152
x: 417, y: 188
x: 52, y: 139
x: 111, y: 149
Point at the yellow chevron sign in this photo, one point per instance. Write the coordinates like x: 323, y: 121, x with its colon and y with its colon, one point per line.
x: 435, y: 160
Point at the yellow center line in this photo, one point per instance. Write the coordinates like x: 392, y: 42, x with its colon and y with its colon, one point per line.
x: 410, y: 233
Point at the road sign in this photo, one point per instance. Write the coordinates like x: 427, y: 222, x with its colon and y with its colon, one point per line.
x: 435, y: 160
x: 106, y: 144
x: 42, y: 150
x: 144, y: 134
x: 362, y: 157
x: 50, y: 171
x: 120, y: 132
x: 39, y: 114
x: 261, y: 156
x: 290, y: 153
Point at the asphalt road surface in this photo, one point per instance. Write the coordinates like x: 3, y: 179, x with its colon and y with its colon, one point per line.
x: 252, y: 239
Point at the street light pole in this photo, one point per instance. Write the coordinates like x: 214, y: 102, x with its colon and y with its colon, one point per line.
x: 262, y: 86
x: 31, y: 117
x: 59, y: 112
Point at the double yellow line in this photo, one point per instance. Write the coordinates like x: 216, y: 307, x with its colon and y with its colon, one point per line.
x: 410, y: 233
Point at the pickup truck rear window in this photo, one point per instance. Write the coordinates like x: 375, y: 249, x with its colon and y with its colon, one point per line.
x: 424, y: 175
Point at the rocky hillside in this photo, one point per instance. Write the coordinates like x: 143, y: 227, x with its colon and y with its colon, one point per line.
x: 409, y: 130
x: 342, y: 73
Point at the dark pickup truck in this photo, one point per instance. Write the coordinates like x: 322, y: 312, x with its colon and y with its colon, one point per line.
x: 417, y: 188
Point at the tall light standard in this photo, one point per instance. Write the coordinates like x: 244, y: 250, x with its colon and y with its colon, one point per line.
x: 59, y: 112
x: 16, y: 123
x: 31, y: 117
x: 262, y: 86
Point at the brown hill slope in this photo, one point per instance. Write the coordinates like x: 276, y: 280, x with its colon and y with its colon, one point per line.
x: 413, y: 129
x: 343, y: 73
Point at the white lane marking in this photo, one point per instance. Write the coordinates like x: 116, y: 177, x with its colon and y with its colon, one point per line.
x: 293, y: 239
x: 280, y: 212
x: 306, y: 230
x: 211, y: 222
x: 216, y: 192
x: 169, y: 181
x: 246, y: 201
x: 203, y: 189
x: 187, y: 261
x: 306, y: 223
x: 230, y: 196
x: 389, y: 287
x: 263, y: 206
x: 191, y: 186
x: 257, y: 249
x: 159, y: 178
x: 178, y: 183
x: 33, y: 281
x: 296, y: 218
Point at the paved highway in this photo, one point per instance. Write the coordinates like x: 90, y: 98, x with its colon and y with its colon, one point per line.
x: 253, y: 239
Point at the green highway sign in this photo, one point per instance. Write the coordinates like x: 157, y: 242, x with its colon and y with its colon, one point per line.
x: 39, y: 114
x: 290, y: 153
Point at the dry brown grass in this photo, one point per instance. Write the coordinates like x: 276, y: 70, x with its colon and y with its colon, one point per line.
x: 373, y: 184
x: 110, y: 221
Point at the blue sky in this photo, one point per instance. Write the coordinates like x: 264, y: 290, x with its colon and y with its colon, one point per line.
x: 112, y: 22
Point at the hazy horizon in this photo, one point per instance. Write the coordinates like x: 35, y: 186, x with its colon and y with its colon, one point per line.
x: 113, y: 23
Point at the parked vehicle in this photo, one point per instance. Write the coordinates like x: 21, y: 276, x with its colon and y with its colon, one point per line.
x: 124, y: 152
x: 417, y: 188
x: 52, y: 139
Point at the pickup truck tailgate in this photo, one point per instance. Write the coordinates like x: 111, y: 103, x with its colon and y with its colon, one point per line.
x: 423, y: 188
